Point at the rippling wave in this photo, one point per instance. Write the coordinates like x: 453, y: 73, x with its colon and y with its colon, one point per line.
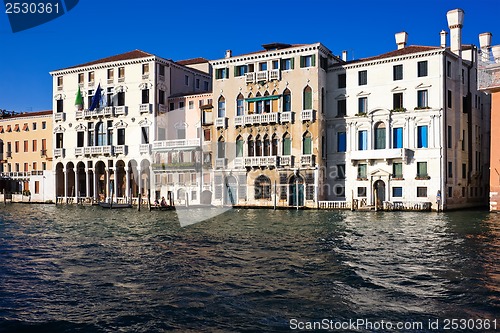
x: 86, y: 269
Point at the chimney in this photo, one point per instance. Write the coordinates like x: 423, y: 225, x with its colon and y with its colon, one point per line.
x: 229, y: 54
x: 455, y: 23
x: 496, y: 53
x: 485, y: 45
x: 344, y: 55
x: 401, y: 38
x: 443, y: 35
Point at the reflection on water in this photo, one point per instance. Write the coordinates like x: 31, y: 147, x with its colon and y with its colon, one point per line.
x: 82, y: 269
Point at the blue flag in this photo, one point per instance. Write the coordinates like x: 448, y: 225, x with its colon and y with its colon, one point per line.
x: 96, y: 99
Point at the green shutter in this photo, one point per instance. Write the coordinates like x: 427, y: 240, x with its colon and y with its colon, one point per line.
x: 287, y: 143
x: 307, y: 146
x: 227, y: 73
x: 313, y: 60
x: 302, y: 62
x: 235, y: 71
x: 293, y: 63
x: 307, y: 100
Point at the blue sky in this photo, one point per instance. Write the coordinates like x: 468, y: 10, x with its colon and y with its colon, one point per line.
x: 187, y: 29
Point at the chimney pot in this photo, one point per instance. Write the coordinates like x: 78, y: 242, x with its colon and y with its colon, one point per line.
x: 443, y: 35
x: 496, y: 53
x: 401, y: 39
x: 229, y: 53
x: 344, y: 55
x: 455, y: 19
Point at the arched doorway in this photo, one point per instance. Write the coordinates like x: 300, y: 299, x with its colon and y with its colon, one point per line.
x: 206, y: 198
x: 60, y: 182
x: 230, y: 191
x: 379, y: 193
x: 296, y: 191
x: 81, y: 179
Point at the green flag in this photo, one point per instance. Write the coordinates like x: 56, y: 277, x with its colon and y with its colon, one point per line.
x: 79, y: 99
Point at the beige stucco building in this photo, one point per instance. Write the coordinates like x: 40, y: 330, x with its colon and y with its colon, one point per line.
x: 26, y: 156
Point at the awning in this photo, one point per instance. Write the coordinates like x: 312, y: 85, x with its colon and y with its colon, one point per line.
x: 206, y: 106
x: 25, y: 127
x: 264, y: 98
x: 9, y: 128
x: 16, y: 128
x: 1, y: 129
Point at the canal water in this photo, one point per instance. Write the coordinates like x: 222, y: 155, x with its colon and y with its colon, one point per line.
x: 87, y: 269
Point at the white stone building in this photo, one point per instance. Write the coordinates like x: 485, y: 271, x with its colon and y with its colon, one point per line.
x: 106, y: 151
x: 409, y: 128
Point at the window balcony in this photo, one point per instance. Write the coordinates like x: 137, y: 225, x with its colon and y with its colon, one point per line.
x: 79, y: 151
x: 145, y: 108
x: 264, y: 118
x: 262, y: 76
x: 59, y: 116
x: 274, y: 74
x: 167, y: 144
x: 121, y: 110
x: 220, y: 163
x: 239, y: 121
x: 307, y: 115
x: 250, y: 77
x: 162, y: 108
x: 307, y: 160
x: 121, y: 149
x: 260, y: 161
x: 108, y: 111
x: 98, y: 150
x: 221, y: 122
x: 286, y: 161
x: 286, y: 117
x: 79, y: 115
x: 239, y: 162
x: 59, y: 152
x: 8, y: 154
x: 145, y: 148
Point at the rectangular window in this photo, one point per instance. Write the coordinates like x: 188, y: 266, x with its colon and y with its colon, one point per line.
x: 161, y: 70
x: 361, y: 192
x: 186, y: 80
x: 449, y: 99
x: 34, y: 146
x: 341, y: 108
x: 197, y: 83
x: 240, y: 70
x: 422, y: 192
x: 464, y: 170
x: 109, y: 96
x: 287, y: 64
x: 263, y: 66
x: 205, y: 85
x: 308, y: 61
x: 145, y: 96
x: 422, y: 137
x: 361, y: 171
x: 34, y: 166
x: 26, y: 146
x: 221, y: 73
x: 111, y: 74
x: 397, y: 170
x: 275, y: 64
x: 145, y: 69
x: 397, y: 72
x: 171, y: 106
x: 80, y: 78
x: 59, y: 81
x: 161, y: 97
x: 341, y: 171
x: 362, y: 105
x: 449, y: 136
x: 121, y: 73
x: 422, y: 99
x: 422, y: 68
x: 448, y: 69
x: 145, y: 135
x: 16, y: 147
x: 341, y: 142
x: 121, y: 136
x: 363, y: 140
x: 191, y: 105
x: 362, y: 78
x: 422, y: 170
x: 121, y: 98
x: 59, y: 105
x: 397, y: 101
x: 397, y: 192
x: 44, y: 125
x: 181, y: 106
x: 397, y: 137
x: 450, y: 169
x: 380, y: 137
x: 37, y: 187
x: 34, y: 126
x: 341, y: 80
x: 59, y: 140
x: 44, y: 165
x: 80, y: 139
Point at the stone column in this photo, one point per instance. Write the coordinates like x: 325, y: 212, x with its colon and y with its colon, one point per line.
x: 127, y: 185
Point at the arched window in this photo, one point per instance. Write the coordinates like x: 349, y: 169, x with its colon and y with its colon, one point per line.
x: 221, y: 148
x: 262, y: 187
x: 258, y: 104
x: 267, y: 103
x: 258, y: 146
x: 251, y: 146
x: 287, y: 144
x: 380, y: 135
x: 274, y: 146
x: 307, y: 99
x: 100, y: 133
x: 240, y: 109
x: 239, y: 146
x: 251, y: 105
x: 287, y: 101
x: 221, y: 111
x: 307, y: 144
x: 267, y: 146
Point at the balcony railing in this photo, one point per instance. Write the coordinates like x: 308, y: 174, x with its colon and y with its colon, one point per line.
x: 145, y: 108
x: 264, y: 118
x: 260, y: 161
x: 145, y: 148
x: 250, y: 77
x: 286, y: 117
x: 274, y: 74
x: 120, y: 110
x: 176, y: 143
x: 239, y: 121
x: 220, y: 163
x: 59, y: 116
x: 162, y: 108
x: 100, y: 150
x: 378, y: 154
x: 239, y: 162
x: 286, y: 161
x: 260, y: 76
x: 221, y: 122
x: 79, y: 114
x: 307, y: 160
x: 59, y: 152
x: 307, y: 115
x: 121, y: 149
x: 108, y: 111
x: 8, y: 154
